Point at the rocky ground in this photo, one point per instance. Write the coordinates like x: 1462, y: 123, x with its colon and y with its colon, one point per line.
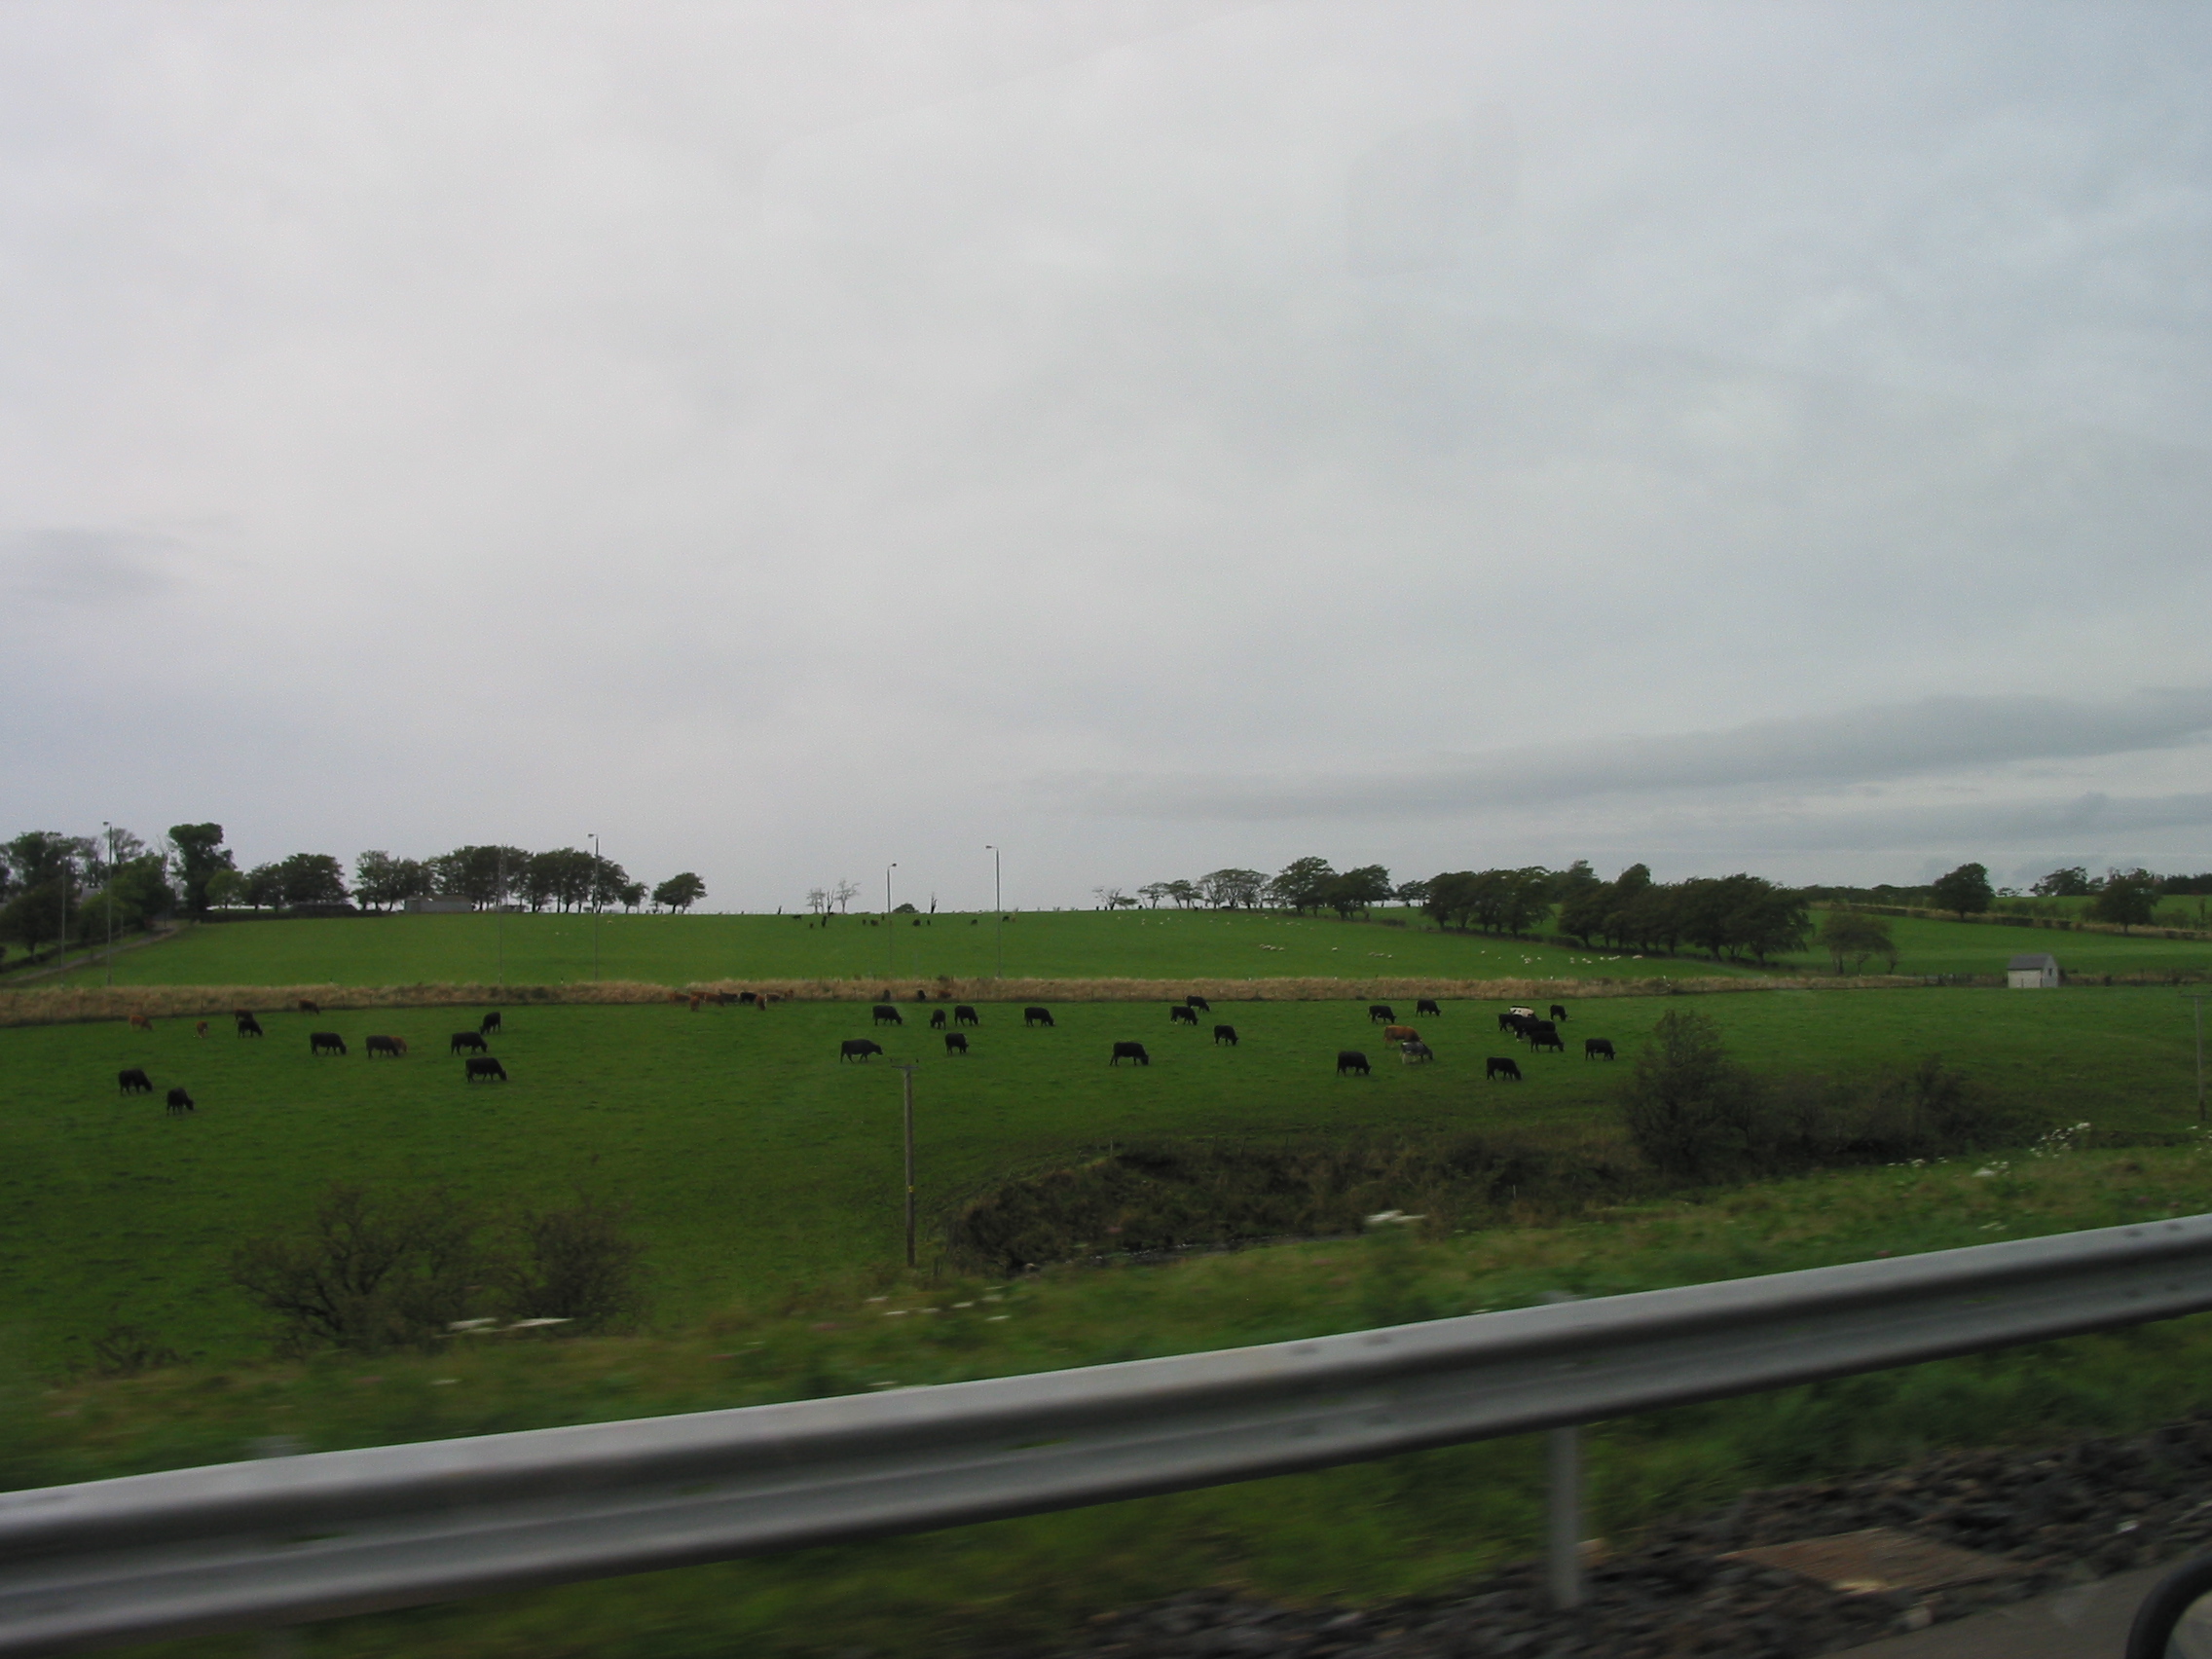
x: 2060, y: 1516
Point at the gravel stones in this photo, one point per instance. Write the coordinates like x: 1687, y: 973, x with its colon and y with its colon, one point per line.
x: 2057, y: 1516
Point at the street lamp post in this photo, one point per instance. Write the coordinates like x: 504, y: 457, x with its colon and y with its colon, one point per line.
x: 998, y: 906
x: 890, y: 946
x: 500, y: 916
x: 110, y: 907
x: 595, y: 909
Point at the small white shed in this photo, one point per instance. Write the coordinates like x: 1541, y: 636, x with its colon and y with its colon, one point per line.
x: 2034, y: 971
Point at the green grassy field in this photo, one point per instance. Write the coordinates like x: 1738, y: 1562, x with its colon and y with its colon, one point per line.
x: 1065, y: 944
x: 1411, y: 1524
x: 756, y: 1157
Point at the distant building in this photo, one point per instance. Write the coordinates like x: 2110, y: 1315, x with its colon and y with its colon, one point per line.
x: 2034, y: 971
x: 438, y: 906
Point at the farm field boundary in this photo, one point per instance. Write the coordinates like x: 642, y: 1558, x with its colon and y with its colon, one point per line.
x: 2016, y: 919
x: 59, y: 1006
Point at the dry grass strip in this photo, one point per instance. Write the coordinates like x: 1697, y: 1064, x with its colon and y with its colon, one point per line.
x: 66, y: 1006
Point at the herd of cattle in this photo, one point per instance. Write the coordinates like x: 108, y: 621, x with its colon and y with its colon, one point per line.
x: 479, y: 1066
x: 1540, y: 1034
x: 1521, y: 1024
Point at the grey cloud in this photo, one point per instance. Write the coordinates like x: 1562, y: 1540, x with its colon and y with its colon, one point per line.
x: 1970, y: 828
x: 1856, y: 746
x: 91, y: 568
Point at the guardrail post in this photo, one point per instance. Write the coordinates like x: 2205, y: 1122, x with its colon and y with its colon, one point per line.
x: 279, y: 1641
x: 1564, y: 1569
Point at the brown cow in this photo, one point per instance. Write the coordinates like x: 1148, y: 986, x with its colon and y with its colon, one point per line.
x: 1400, y: 1034
x: 199, y: 1030
x: 307, y: 1006
x: 139, y: 1022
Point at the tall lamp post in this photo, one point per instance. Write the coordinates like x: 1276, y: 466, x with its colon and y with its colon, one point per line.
x: 998, y: 906
x: 890, y: 946
x: 499, y: 915
x: 110, y: 904
x: 595, y: 907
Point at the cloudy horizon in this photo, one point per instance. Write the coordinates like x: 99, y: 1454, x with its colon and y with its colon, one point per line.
x: 1148, y: 435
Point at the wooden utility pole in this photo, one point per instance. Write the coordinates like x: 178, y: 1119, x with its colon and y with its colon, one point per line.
x: 906, y: 1092
x: 2196, y: 1001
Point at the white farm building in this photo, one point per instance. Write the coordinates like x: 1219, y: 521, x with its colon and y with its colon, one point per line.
x: 2034, y: 971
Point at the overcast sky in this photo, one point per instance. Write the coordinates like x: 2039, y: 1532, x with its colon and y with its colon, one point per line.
x: 1148, y: 434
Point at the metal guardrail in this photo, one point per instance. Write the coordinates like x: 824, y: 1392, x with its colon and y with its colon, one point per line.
x: 293, y: 1538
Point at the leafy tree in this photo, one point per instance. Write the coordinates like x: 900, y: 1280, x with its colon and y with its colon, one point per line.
x: 1358, y: 889
x: 681, y: 892
x: 1413, y: 893
x: 1853, y: 935
x: 2072, y: 882
x: 198, y: 853
x: 1185, y: 894
x: 1298, y: 886
x: 264, y: 885
x: 1964, y: 891
x: 633, y: 894
x: 36, y: 915
x: 843, y: 893
x: 135, y: 892
x: 226, y: 888
x: 1152, y: 892
x: 383, y: 881
x: 2130, y: 899
x: 1691, y: 1110
x: 1451, y: 898
x: 1576, y: 879
x: 311, y: 878
x: 483, y: 876
x: 1233, y: 889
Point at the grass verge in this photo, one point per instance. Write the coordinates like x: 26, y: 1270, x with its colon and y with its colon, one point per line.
x: 1402, y: 1526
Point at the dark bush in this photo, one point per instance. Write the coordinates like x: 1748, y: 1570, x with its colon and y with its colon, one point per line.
x: 374, y: 1273
x: 1691, y: 1111
x: 1179, y: 1195
x: 575, y: 1264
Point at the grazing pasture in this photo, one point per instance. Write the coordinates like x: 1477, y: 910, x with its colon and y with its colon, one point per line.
x: 755, y: 1157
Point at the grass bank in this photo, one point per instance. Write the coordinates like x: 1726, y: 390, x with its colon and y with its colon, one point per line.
x: 1404, y: 1526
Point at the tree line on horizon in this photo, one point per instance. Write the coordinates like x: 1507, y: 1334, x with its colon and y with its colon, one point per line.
x: 55, y: 887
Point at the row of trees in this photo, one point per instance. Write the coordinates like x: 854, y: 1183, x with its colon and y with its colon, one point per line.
x: 55, y: 888
x: 1732, y: 915
x: 2127, y: 898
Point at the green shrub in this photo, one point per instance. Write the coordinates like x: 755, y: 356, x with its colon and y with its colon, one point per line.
x: 1691, y: 1111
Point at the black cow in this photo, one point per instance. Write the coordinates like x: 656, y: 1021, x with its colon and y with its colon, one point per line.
x: 390, y: 1046
x: 963, y: 1014
x: 1509, y: 1021
x: 1547, y: 1038
x: 1129, y: 1052
x: 1416, y: 1053
x: 886, y: 1014
x: 325, y: 1043
x: 470, y: 1041
x: 1381, y: 1013
x: 1494, y: 1068
x: 1597, y: 1048
x: 491, y: 1024
x: 1199, y: 1002
x: 746, y: 999
x: 308, y: 1007
x: 134, y: 1082
x: 489, y: 1070
x: 937, y: 1019
x: 955, y: 1043
x: 857, y: 1049
x: 179, y: 1101
x: 1351, y: 1060
x: 1036, y: 1017
x: 1225, y: 1034
x: 1183, y: 1016
x: 1559, y: 1011
x: 248, y: 1026
x: 1427, y: 1005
